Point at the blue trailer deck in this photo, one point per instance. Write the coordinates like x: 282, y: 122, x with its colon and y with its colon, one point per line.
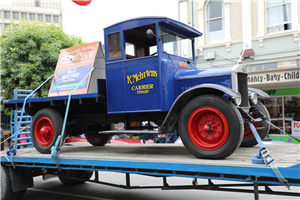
x: 171, y: 160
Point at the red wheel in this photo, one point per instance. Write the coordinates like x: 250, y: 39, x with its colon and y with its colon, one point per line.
x: 208, y: 128
x: 248, y: 133
x: 46, y: 127
x: 263, y: 128
x: 44, y: 131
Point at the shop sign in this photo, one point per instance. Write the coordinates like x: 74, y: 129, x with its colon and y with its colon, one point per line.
x: 296, y: 127
x: 283, y: 92
x: 274, y: 77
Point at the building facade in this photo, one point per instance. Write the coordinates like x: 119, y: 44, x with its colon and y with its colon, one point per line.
x: 265, y: 34
x: 40, y: 10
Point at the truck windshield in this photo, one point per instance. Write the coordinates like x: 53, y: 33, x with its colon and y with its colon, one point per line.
x: 176, y: 45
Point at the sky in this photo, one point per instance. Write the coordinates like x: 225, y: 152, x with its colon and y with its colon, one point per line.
x: 89, y: 21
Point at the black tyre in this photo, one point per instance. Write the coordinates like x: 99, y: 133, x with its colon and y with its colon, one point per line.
x: 211, y: 127
x: 6, y: 187
x: 46, y: 127
x: 263, y: 128
x: 19, y: 195
x: 79, y: 174
x: 96, y: 139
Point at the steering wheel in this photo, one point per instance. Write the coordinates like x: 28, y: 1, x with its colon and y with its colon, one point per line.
x: 153, y: 54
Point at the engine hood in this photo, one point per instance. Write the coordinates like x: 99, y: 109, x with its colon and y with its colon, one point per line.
x: 200, y: 73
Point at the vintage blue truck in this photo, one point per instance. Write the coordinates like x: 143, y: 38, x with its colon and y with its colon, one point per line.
x: 151, y: 75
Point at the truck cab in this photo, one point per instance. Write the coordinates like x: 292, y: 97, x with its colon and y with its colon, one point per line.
x: 141, y: 65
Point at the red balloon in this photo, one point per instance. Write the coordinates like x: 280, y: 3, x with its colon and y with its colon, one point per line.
x: 82, y: 2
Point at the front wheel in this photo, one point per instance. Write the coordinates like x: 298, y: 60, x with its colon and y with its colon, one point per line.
x: 211, y: 127
x: 46, y: 127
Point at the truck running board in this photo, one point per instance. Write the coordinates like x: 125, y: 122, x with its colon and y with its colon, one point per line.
x: 134, y: 132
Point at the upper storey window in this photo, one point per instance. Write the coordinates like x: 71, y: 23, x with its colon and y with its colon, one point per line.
x: 278, y: 15
x: 215, y: 20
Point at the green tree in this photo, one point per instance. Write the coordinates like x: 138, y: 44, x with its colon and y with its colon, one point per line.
x: 29, y: 54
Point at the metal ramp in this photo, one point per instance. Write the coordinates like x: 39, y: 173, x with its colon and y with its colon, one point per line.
x: 23, y: 138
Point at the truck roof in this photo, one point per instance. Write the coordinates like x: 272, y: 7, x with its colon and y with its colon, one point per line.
x: 166, y: 22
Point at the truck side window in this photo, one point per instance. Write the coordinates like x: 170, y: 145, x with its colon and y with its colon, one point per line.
x: 114, y: 46
x: 137, y: 44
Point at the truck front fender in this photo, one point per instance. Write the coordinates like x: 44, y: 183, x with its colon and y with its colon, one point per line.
x: 170, y: 121
x: 259, y: 92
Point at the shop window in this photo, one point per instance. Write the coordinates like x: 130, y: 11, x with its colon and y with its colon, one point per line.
x: 215, y: 20
x: 114, y: 46
x: 6, y: 14
x: 15, y: 15
x: 138, y: 44
x: 298, y: 63
x: 292, y: 114
x: 274, y: 107
x: 24, y: 16
x: 278, y: 15
x: 263, y: 66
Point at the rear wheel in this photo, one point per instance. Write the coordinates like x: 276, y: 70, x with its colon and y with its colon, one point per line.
x: 74, y: 175
x: 262, y: 128
x: 211, y: 127
x: 96, y: 139
x: 46, y: 127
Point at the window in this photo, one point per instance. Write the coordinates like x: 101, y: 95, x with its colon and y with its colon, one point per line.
x: 55, y: 18
x: 6, y: 14
x: 0, y: 14
x: 215, y: 20
x: 15, y: 15
x: 40, y: 17
x: 298, y: 63
x: 24, y: 16
x: 130, y: 49
x: 176, y: 45
x: 37, y: 3
x: 263, y: 66
x: 31, y: 16
x: 6, y: 26
x: 137, y: 44
x: 48, y: 18
x: 278, y: 15
x: 114, y: 46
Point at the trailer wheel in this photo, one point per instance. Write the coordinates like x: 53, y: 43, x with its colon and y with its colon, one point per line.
x: 262, y: 128
x: 6, y: 188
x: 211, y: 127
x: 46, y: 127
x: 85, y: 175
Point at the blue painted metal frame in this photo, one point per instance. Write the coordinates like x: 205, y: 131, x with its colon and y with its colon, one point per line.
x: 191, y: 170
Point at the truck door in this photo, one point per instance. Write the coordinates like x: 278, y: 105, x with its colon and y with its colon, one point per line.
x: 142, y: 74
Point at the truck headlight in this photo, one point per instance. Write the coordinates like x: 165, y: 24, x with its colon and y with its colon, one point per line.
x: 253, y: 98
x: 237, y: 100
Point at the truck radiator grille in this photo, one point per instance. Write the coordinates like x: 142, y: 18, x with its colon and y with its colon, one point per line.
x: 243, y: 88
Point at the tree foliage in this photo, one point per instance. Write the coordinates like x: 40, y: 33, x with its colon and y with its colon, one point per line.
x: 29, y: 54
